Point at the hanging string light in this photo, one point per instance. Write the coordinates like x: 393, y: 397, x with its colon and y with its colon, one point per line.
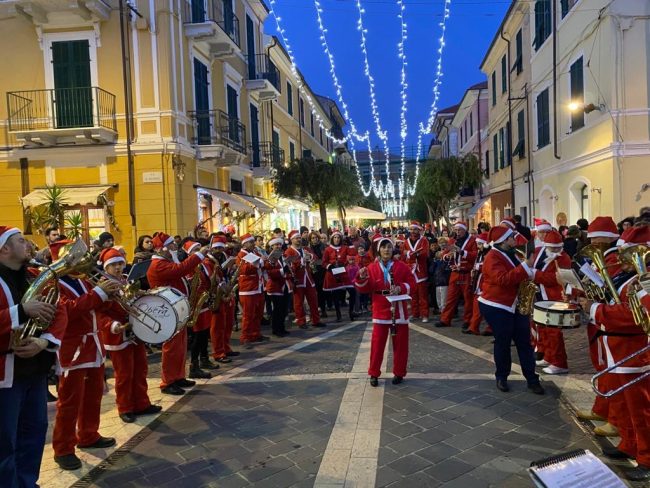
x: 401, y: 48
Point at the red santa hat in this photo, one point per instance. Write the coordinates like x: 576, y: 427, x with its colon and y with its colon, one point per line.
x: 415, y: 225
x: 161, y: 240
x: 276, y: 240
x: 460, y: 225
x: 110, y: 256
x: 336, y: 233
x: 635, y: 235
x: 499, y: 234
x: 352, y: 251
x: 6, y: 233
x: 553, y: 239
x: 520, y: 240
x: 509, y: 222
x: 602, y: 227
x: 246, y: 238
x: 189, y: 246
x: 55, y: 248
x: 400, y: 238
x: 378, y: 242
x: 218, y: 241
x: 293, y: 233
x: 482, y: 238
x: 376, y: 237
x: 542, y: 225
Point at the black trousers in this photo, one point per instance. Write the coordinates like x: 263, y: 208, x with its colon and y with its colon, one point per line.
x: 279, y: 312
x: 199, y: 343
x: 352, y: 292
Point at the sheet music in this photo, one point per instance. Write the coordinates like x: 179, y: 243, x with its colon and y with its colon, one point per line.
x: 338, y: 271
x: 590, y: 273
x: 251, y: 258
x: 397, y: 298
x: 583, y: 471
x: 570, y: 277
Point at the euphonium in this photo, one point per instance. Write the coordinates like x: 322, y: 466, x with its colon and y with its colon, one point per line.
x: 636, y: 256
x: 595, y: 253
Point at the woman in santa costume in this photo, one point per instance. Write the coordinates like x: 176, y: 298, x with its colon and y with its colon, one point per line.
x: 416, y: 254
x: 128, y: 355
x: 619, y: 337
x: 381, y: 278
x: 81, y: 365
x: 483, y: 248
x: 24, y: 365
x: 337, y: 280
x: 300, y: 260
x: 251, y: 292
x: 224, y: 318
x: 165, y: 271
x: 279, y: 287
x: 502, y: 274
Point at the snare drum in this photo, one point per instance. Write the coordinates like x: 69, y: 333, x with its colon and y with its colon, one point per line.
x: 557, y: 315
x: 165, y: 311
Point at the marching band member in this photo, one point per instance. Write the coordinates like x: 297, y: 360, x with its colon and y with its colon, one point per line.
x: 502, y: 274
x: 224, y: 320
x: 81, y: 362
x: 383, y: 277
x: 300, y: 260
x: 278, y: 287
x: 483, y: 247
x: 24, y: 365
x: 542, y: 227
x: 618, y: 338
x: 463, y: 253
x: 164, y: 271
x: 335, y: 258
x: 128, y: 355
x: 251, y: 293
x: 417, y: 252
x: 548, y: 260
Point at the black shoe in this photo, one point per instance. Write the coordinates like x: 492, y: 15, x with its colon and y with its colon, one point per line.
x: 128, y: 417
x: 248, y: 345
x: 286, y: 332
x: 279, y: 334
x: 323, y: 314
x: 397, y: 379
x: 441, y: 324
x: 69, y: 462
x: 224, y: 360
x: 487, y: 333
x: 207, y: 364
x: 338, y: 316
x: 374, y: 381
x: 185, y: 383
x: 353, y: 316
x: 536, y: 388
x: 503, y: 385
x: 51, y: 398
x: 467, y: 331
x: 319, y: 325
x: 198, y: 373
x: 640, y: 473
x: 303, y: 326
x: 150, y: 410
x: 232, y: 353
x: 173, y: 389
x: 465, y: 326
x: 262, y: 339
x: 101, y: 443
x: 614, y: 453
x: 539, y: 356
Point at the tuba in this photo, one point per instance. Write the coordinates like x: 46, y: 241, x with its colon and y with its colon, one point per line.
x: 636, y: 256
x: 595, y: 253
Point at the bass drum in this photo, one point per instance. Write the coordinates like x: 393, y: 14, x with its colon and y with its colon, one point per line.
x: 557, y: 315
x: 165, y: 312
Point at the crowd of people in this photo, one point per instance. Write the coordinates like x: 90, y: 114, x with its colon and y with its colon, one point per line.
x: 211, y: 283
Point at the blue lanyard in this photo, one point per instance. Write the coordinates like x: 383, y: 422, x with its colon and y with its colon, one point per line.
x: 386, y: 270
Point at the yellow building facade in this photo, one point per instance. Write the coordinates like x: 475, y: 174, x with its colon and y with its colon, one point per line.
x: 208, y: 104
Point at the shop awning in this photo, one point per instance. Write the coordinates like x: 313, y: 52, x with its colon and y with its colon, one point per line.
x: 477, y: 206
x: 234, y: 203
x: 359, y: 213
x: 77, y: 195
x: 285, y: 204
x: 256, y: 203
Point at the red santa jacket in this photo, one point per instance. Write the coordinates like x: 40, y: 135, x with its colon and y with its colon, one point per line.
x: 376, y: 285
x: 278, y: 278
x: 416, y: 257
x: 300, y: 268
x: 251, y: 279
x: 466, y: 256
x: 364, y: 261
x: 9, y: 321
x: 619, y: 336
x: 335, y: 257
x: 547, y: 269
x: 500, y: 280
x: 163, y: 272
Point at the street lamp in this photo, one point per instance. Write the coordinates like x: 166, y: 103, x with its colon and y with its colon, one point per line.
x: 586, y: 108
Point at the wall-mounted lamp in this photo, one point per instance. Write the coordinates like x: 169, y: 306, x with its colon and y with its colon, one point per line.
x: 586, y: 108
x: 645, y: 187
x: 597, y: 190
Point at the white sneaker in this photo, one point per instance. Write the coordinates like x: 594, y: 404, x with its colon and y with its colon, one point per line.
x: 555, y: 370
x: 425, y: 320
x: 541, y: 362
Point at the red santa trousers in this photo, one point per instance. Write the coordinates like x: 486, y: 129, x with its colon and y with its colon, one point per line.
x: 420, y: 300
x: 299, y: 295
x: 251, y: 322
x: 78, y: 409
x: 130, y: 365
x: 380, y: 334
x: 221, y: 330
x: 633, y: 420
x: 173, y: 359
x: 553, y: 343
x: 601, y: 404
x: 477, y: 318
x: 459, y: 285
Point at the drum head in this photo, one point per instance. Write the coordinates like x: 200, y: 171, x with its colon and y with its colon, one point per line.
x: 159, y: 322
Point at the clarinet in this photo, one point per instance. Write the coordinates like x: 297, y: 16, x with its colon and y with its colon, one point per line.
x: 393, y: 325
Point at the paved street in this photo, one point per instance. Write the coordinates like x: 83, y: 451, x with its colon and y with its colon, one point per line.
x: 299, y: 412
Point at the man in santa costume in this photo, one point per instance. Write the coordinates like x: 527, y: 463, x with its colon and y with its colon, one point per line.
x: 81, y: 365
x: 502, y: 274
x: 463, y: 254
x: 24, y: 364
x: 483, y: 248
x: 279, y: 287
x: 164, y: 271
x: 299, y: 260
x: 335, y: 258
x: 384, y: 277
x: 224, y: 318
x: 128, y: 355
x: 251, y: 292
x: 416, y: 253
x: 619, y: 337
x: 548, y: 259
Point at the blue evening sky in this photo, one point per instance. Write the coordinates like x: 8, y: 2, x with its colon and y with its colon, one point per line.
x: 470, y: 30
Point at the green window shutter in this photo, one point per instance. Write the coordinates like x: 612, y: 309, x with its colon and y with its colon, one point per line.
x: 495, y: 151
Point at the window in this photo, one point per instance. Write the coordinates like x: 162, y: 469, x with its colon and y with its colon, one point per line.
x: 320, y: 135
x: 289, y: 98
x: 311, y: 124
x: 566, y: 5
x: 461, y: 135
x: 91, y: 218
x: 466, y: 133
x: 494, y: 88
x: 306, y: 153
x: 508, y: 144
x: 301, y: 110
x: 495, y: 151
x: 519, y: 53
x: 543, y: 123
x: 471, y: 124
x: 502, y: 148
x: 292, y: 150
x: 504, y: 74
x: 543, y: 22
x: 236, y: 186
x: 487, y: 164
x: 577, y: 95
x: 520, y: 148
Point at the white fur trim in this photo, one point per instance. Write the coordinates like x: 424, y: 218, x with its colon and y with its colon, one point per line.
x: 461, y: 226
x: 277, y: 240
x: 102, y: 294
x: 602, y: 233
x: 592, y: 312
x: 116, y: 259
x: 7, y: 234
x: 490, y: 303
x: 501, y: 239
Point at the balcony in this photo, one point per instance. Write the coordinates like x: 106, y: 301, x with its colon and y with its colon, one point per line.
x: 219, y: 137
x: 62, y: 13
x: 263, y: 77
x: 265, y: 158
x: 62, y: 116
x: 215, y: 30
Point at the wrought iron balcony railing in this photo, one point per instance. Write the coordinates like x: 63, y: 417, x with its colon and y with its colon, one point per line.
x: 201, y: 11
x: 260, y: 67
x: 212, y: 127
x: 61, y: 108
x: 266, y: 154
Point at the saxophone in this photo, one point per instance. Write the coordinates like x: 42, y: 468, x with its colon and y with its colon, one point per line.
x: 195, y: 298
x: 526, y: 292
